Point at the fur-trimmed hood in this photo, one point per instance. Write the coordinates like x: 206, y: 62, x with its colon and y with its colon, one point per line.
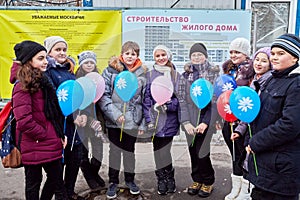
x: 118, y: 64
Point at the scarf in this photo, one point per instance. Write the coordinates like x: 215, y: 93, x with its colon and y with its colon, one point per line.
x: 51, y: 108
x: 165, y: 70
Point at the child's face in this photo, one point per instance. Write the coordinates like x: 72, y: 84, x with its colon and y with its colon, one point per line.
x: 161, y: 57
x: 281, y: 59
x: 237, y: 57
x: 129, y: 57
x: 59, y: 52
x: 88, y: 66
x: 198, y: 58
x: 39, y: 61
x: 261, y: 63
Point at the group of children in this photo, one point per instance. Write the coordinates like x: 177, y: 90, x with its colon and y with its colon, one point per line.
x: 47, y: 135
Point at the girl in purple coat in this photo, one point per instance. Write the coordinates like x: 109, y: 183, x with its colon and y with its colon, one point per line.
x: 39, y: 121
x: 172, y: 113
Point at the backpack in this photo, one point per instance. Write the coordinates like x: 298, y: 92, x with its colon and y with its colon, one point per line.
x: 9, y: 149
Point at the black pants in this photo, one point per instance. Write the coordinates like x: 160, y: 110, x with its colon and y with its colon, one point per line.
x: 202, y: 169
x: 162, y: 152
x: 34, y: 176
x: 259, y: 194
x: 238, y: 148
x: 72, y: 163
x: 90, y: 168
x: 118, y: 148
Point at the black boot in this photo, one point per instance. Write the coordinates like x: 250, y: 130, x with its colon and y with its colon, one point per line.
x: 85, y: 167
x: 170, y: 180
x: 95, y: 168
x: 161, y: 182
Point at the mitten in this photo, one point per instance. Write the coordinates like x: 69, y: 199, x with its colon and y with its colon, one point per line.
x: 96, y: 125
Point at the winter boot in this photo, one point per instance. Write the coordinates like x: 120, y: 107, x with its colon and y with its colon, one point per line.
x: 170, y: 180
x: 245, y: 190
x: 95, y: 168
x: 162, y: 188
x: 236, y: 187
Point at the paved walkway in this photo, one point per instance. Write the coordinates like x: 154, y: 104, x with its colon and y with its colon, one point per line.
x: 12, y: 180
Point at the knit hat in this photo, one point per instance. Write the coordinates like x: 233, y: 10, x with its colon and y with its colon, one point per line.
x: 266, y: 50
x: 166, y: 49
x: 198, y: 47
x: 52, y: 40
x: 288, y: 42
x: 86, y: 56
x: 241, y: 45
x: 26, y: 50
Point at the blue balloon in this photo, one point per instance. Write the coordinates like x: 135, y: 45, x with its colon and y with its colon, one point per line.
x: 89, y: 91
x: 70, y: 96
x: 223, y: 83
x: 201, y: 92
x: 244, y: 103
x: 126, y: 85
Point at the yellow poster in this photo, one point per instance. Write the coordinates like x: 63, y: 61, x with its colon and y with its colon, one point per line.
x: 99, y: 31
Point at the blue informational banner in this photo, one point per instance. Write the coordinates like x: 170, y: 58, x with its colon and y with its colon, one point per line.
x: 87, y: 3
x: 180, y: 29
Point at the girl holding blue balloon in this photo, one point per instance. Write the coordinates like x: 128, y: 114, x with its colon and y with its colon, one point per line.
x: 199, y: 144
x: 121, y: 104
x: 163, y: 114
x: 60, y: 69
x: 240, y: 68
x: 92, y: 131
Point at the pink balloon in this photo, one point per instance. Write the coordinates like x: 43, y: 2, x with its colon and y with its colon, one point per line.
x: 99, y: 82
x: 161, y: 89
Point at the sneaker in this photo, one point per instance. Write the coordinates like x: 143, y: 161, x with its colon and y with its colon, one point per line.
x: 112, y: 191
x: 194, y: 188
x: 134, y: 189
x: 205, y: 190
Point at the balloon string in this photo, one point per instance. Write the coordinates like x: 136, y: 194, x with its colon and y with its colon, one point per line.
x: 254, y: 157
x: 156, y: 122
x: 233, y: 148
x: 63, y: 150
x: 198, y: 120
x: 124, y: 109
x: 73, y: 139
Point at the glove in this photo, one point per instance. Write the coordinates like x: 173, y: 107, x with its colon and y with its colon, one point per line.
x: 96, y: 125
x: 160, y: 108
x: 189, y: 128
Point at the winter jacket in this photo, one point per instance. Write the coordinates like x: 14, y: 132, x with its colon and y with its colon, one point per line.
x: 257, y: 85
x: 39, y: 141
x: 243, y: 74
x: 112, y: 105
x: 276, y: 135
x: 57, y: 74
x: 191, y: 74
x: 176, y: 113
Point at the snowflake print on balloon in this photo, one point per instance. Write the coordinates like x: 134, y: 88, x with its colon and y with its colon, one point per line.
x: 197, y: 91
x: 245, y: 103
x: 227, y: 86
x: 227, y: 109
x: 62, y: 95
x: 121, y: 84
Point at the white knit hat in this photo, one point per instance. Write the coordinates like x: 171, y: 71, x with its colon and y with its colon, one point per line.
x: 49, y: 42
x: 241, y: 45
x: 86, y: 56
x: 166, y: 49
